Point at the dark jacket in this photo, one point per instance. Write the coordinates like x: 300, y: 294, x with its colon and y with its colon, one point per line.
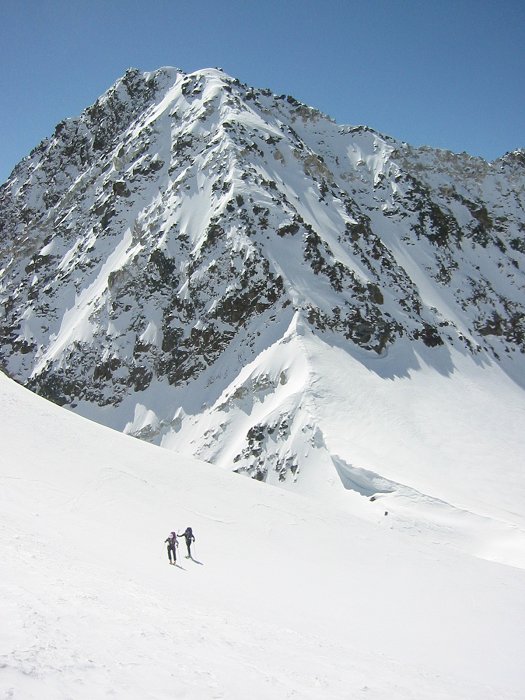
x: 188, y: 534
x: 172, y: 540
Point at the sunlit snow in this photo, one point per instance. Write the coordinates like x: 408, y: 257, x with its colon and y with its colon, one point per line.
x: 286, y: 596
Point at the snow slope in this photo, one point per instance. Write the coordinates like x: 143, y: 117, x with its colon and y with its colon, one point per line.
x: 287, y: 597
x: 434, y: 436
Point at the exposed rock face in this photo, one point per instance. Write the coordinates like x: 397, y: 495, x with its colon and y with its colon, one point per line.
x: 153, y: 247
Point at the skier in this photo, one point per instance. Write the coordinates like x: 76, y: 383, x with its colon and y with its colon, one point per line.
x: 171, y: 540
x: 188, y: 535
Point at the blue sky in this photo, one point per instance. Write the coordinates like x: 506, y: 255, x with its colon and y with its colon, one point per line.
x: 448, y: 74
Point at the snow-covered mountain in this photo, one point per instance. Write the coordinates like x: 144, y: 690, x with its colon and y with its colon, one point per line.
x: 286, y: 599
x: 231, y: 274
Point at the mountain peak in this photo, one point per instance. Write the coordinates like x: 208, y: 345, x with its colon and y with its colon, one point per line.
x: 158, y: 249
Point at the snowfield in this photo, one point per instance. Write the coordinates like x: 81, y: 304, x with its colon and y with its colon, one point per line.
x: 289, y: 595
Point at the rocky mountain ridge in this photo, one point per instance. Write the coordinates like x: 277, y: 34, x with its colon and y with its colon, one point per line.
x: 156, y: 250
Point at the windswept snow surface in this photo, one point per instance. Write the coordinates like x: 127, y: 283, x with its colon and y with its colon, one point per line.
x: 433, y: 435
x: 286, y: 598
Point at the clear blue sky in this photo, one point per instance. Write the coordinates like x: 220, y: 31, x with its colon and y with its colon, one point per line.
x: 447, y: 73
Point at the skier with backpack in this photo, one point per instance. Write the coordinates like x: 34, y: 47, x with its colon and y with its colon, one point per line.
x: 189, y: 537
x: 172, y: 543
